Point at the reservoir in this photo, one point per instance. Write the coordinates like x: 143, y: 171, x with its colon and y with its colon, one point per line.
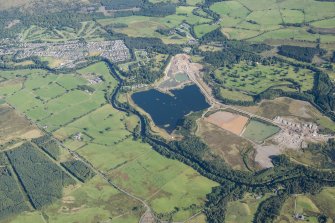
x: 167, y: 110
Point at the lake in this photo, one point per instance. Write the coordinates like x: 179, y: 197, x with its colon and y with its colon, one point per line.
x: 167, y: 110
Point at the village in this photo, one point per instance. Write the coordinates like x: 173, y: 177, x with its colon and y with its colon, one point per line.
x: 70, y: 53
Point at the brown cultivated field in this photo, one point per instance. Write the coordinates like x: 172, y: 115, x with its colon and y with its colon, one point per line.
x: 232, y: 122
x: 14, y: 126
x: 227, y: 145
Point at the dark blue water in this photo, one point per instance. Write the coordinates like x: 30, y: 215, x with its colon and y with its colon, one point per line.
x: 167, y: 110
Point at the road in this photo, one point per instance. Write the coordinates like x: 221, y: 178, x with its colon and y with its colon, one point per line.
x: 214, y: 102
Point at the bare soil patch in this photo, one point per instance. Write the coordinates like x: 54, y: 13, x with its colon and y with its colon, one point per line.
x: 229, y: 121
x: 178, y: 71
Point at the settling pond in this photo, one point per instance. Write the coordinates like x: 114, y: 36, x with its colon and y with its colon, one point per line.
x: 167, y: 110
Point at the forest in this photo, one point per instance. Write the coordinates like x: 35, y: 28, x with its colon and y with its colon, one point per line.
x: 43, y: 183
x: 305, y: 54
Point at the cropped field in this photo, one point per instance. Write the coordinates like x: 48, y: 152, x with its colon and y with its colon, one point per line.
x: 259, y: 131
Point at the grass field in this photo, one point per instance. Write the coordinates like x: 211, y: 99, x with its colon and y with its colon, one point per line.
x: 145, y: 26
x: 262, y: 20
x: 54, y: 100
x: 106, y: 142
x: 259, y: 131
x: 243, y: 210
x: 258, y: 78
x: 311, y: 206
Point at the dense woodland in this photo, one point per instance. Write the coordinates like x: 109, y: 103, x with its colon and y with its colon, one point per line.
x: 305, y: 54
x: 43, y: 183
x: 12, y: 200
x: 49, y: 145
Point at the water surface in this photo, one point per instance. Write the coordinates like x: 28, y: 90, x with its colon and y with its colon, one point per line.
x: 167, y: 110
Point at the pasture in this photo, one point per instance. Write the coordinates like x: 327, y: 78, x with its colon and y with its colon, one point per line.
x: 262, y: 20
x: 55, y: 100
x: 106, y: 142
x: 243, y: 210
x: 93, y: 201
x: 258, y: 131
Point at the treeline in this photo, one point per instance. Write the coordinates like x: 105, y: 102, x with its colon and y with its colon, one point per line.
x: 42, y: 180
x: 121, y: 4
x: 145, y: 7
x: 305, y: 54
x: 158, y: 9
x: 59, y: 20
x: 213, y: 36
x: 324, y: 93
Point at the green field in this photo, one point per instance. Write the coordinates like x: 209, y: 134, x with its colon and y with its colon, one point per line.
x: 258, y: 131
x: 243, y: 210
x: 106, y: 142
x: 257, y: 78
x: 266, y: 20
x: 311, y: 206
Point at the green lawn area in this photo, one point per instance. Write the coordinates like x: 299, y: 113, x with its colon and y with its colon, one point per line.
x: 203, y: 29
x: 258, y: 131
